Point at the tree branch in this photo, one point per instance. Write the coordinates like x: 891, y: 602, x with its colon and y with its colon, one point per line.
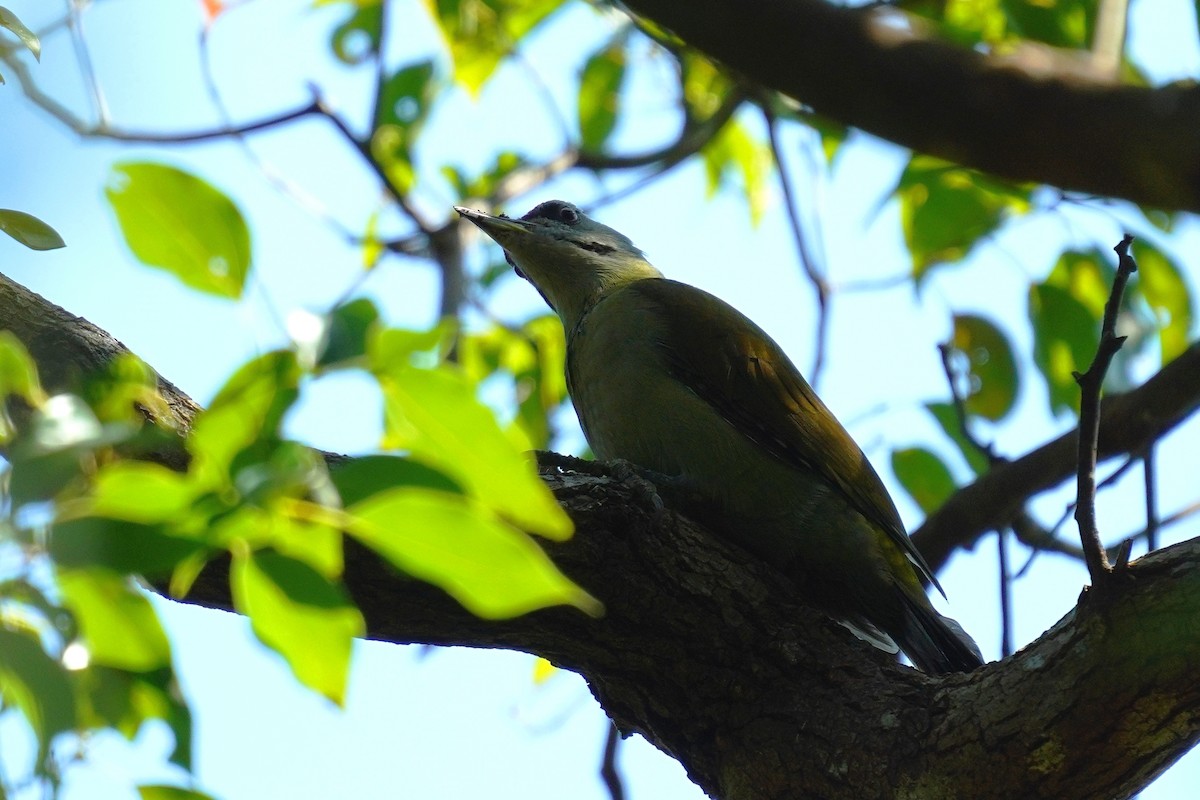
x: 881, y: 71
x: 708, y: 652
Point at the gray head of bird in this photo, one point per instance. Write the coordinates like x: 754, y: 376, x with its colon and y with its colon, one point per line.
x: 571, y: 259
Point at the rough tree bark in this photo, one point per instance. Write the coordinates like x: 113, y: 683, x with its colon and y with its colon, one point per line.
x: 708, y: 653
x: 1026, y: 119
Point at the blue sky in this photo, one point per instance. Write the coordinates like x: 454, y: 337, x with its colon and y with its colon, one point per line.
x: 456, y: 723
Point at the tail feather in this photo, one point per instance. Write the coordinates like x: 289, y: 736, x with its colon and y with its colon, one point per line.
x: 936, y: 644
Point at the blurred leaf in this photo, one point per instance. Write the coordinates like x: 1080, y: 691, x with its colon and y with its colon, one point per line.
x: 178, y: 222
x: 301, y: 615
x: 125, y: 700
x: 947, y: 418
x: 481, y: 33
x: 993, y: 370
x: 140, y: 491
x: 924, y: 476
x: 18, y: 372
x: 126, y: 390
x: 246, y: 413
x: 492, y: 569
x: 484, y: 185
x: 1159, y: 218
x: 1065, y: 336
x: 734, y: 149
x: 946, y: 209
x: 600, y: 95
x: 348, y: 328
x: 402, y: 104
x: 543, y: 671
x: 703, y: 85
x: 124, y: 547
x: 171, y: 793
x: 357, y: 39
x: 253, y: 528
x: 37, y: 685
x: 28, y: 229
x: 117, y: 624
x: 1087, y: 275
x: 1161, y: 282
x: 434, y: 414
x: 28, y: 38
x: 363, y: 477
x: 1063, y: 23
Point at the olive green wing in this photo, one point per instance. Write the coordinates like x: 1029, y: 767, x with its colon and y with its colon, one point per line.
x: 738, y: 369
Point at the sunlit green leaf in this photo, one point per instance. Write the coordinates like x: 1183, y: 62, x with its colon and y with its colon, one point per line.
x: 401, y: 107
x: 28, y: 229
x: 28, y: 38
x: 481, y: 33
x: 924, y: 476
x: 493, y: 569
x: 126, y: 390
x: 117, y: 624
x: 301, y: 615
x: 435, y: 415
x: 121, y: 546
x: 247, y: 411
x: 18, y: 372
x: 1067, y: 24
x: 945, y: 210
x: 734, y: 150
x: 171, y: 793
x: 249, y: 527
x: 178, y: 222
x: 37, y: 685
x: 600, y: 95
x: 994, y: 380
x: 140, y: 491
x: 1065, y: 335
x: 1161, y: 282
x: 703, y: 85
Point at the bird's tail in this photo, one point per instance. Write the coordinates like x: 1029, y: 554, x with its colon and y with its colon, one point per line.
x: 935, y: 643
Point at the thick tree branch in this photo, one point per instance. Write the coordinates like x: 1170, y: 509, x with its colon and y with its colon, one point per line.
x: 880, y: 71
x: 709, y: 654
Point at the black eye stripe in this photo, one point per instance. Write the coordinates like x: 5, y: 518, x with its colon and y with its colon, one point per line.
x: 595, y: 247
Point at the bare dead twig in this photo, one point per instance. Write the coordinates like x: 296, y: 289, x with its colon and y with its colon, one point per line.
x: 1090, y: 384
x: 608, y: 767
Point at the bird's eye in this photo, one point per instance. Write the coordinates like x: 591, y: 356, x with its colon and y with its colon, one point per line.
x: 568, y: 215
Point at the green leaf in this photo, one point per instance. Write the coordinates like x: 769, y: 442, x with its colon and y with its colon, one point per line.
x: 357, y: 39
x: 945, y: 210
x: 492, y: 569
x: 37, y: 685
x: 157, y: 792
x: 140, y: 491
x: 28, y: 38
x: 125, y: 547
x: 481, y: 33
x: 178, y: 222
x: 117, y: 624
x: 123, y: 701
x: 732, y: 150
x: 600, y: 95
x: 252, y: 528
x: 18, y: 372
x: 1065, y: 336
x: 401, y: 106
x: 1161, y: 282
x: 947, y: 418
x: 924, y: 476
x: 347, y: 329
x: 245, y: 415
x: 993, y: 369
x: 363, y: 477
x: 301, y: 615
x: 434, y: 414
x: 28, y: 229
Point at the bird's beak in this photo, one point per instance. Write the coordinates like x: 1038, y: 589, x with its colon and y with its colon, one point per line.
x: 502, y: 229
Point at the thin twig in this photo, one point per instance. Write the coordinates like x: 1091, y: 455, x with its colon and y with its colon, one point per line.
x: 1006, y: 620
x: 808, y: 261
x: 1090, y: 384
x: 608, y: 767
x: 1150, y: 481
